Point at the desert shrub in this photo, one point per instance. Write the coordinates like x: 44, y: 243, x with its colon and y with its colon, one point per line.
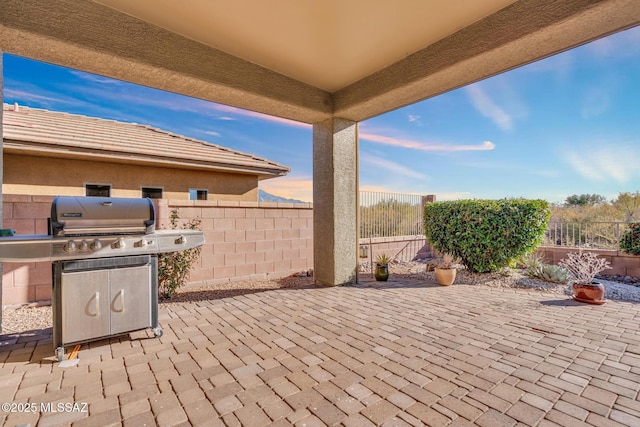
x: 531, y: 260
x: 486, y: 234
x: 174, y: 267
x: 630, y: 240
x: 550, y: 273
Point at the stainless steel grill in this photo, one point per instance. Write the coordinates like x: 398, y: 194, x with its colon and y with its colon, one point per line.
x: 104, y: 265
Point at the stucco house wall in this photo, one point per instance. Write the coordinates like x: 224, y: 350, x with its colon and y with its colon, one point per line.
x: 49, y: 153
x: 36, y: 175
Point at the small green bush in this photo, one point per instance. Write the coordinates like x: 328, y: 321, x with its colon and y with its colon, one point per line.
x: 486, y: 234
x: 630, y: 241
x: 174, y: 267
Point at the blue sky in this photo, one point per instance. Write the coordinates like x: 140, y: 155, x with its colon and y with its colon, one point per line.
x: 569, y: 124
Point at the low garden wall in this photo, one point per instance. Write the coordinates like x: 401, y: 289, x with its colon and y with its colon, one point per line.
x: 403, y: 248
x: 621, y: 263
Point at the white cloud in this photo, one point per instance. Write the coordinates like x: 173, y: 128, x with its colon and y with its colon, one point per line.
x: 423, y: 146
x: 602, y: 163
x: 212, y: 133
x: 396, y: 168
x: 140, y: 96
x: 414, y: 118
x: 27, y: 96
x: 488, y: 108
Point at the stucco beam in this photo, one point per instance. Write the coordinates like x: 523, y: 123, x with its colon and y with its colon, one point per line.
x: 524, y: 32
x: 87, y: 36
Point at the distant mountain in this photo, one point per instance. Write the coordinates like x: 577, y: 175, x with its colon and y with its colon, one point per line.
x: 263, y: 196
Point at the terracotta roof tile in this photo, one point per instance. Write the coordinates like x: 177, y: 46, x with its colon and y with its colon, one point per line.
x: 55, y: 134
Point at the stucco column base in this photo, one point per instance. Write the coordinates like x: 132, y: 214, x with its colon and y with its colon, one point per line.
x: 335, y: 186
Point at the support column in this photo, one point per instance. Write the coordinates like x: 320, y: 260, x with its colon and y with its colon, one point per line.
x: 335, y: 191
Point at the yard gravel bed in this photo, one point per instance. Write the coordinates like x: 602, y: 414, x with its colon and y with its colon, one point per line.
x: 30, y: 317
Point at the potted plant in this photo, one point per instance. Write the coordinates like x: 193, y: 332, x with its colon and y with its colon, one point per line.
x: 382, y: 267
x: 584, y: 266
x: 446, y: 270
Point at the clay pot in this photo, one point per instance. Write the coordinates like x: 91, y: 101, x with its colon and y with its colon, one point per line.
x: 382, y: 272
x: 592, y: 293
x: 445, y: 276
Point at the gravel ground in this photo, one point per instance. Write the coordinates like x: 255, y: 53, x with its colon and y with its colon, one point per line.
x: 28, y: 317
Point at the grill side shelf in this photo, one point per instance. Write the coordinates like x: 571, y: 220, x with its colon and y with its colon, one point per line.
x: 25, y: 248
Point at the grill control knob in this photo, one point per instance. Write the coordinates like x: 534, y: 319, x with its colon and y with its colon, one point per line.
x: 83, y: 246
x: 70, y: 246
x: 95, y: 245
x: 119, y: 244
x: 141, y: 244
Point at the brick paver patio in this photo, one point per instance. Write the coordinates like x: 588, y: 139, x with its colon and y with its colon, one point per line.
x: 400, y: 353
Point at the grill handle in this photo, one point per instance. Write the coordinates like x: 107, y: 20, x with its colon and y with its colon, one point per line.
x: 113, y: 305
x: 96, y: 300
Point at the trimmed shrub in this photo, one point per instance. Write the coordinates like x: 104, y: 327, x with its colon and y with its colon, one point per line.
x: 630, y: 240
x: 486, y: 234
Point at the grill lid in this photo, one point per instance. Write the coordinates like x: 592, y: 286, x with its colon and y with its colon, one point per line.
x: 80, y: 216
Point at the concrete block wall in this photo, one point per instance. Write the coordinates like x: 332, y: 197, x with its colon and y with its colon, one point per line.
x: 246, y: 240
x: 26, y: 282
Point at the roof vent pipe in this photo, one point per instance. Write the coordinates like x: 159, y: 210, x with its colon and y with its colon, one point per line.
x: 16, y: 107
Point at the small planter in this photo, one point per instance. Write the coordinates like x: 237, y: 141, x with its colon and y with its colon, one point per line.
x: 592, y: 293
x: 382, y: 272
x: 445, y: 276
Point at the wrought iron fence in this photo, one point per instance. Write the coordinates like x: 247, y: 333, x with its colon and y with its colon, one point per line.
x: 390, y: 214
x: 397, y: 214
x: 602, y: 235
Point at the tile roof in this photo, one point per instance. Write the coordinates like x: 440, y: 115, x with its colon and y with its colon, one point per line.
x: 54, y: 134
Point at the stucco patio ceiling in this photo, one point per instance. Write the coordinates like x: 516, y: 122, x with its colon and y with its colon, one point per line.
x: 305, y: 60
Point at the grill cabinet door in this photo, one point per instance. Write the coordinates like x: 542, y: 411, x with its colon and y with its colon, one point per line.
x: 85, y: 305
x: 130, y: 298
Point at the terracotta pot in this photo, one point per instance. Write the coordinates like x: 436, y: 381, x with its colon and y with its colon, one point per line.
x: 592, y: 293
x: 382, y: 272
x: 445, y: 276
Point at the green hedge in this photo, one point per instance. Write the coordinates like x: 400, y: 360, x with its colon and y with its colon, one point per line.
x: 486, y: 234
x: 630, y: 240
